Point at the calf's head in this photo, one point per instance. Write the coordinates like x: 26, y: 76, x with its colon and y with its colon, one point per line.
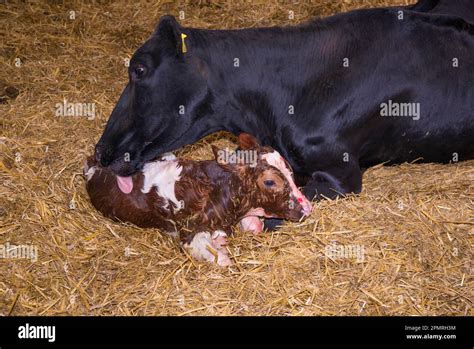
x: 267, y: 180
x: 107, y: 197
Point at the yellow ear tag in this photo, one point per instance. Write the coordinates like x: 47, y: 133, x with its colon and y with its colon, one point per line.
x: 183, y: 47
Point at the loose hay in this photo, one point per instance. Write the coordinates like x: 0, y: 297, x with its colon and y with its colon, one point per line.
x: 406, y: 240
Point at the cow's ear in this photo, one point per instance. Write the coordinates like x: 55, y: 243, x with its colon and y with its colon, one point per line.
x: 169, y: 31
x: 248, y: 142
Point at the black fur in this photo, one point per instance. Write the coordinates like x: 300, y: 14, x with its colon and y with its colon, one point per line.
x: 336, y: 129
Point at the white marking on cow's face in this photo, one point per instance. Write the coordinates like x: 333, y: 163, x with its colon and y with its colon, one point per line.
x: 89, y: 171
x: 163, y: 175
x: 203, y: 243
x: 275, y: 159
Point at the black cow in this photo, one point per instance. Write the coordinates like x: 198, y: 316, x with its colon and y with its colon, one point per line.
x: 461, y: 8
x: 325, y: 94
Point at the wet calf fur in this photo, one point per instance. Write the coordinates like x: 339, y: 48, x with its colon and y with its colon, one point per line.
x: 201, y: 200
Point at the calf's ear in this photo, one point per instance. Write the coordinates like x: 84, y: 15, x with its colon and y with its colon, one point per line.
x: 169, y: 32
x: 219, y: 155
x: 247, y: 142
x: 221, y: 159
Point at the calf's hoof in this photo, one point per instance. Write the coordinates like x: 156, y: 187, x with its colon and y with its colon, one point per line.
x: 252, y: 224
x: 209, y: 247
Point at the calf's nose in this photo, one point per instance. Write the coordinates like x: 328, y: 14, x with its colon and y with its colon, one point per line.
x: 302, y: 204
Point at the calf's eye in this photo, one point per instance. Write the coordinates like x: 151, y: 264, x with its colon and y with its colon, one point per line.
x: 269, y: 183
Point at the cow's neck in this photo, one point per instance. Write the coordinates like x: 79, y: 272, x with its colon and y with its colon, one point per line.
x: 258, y: 75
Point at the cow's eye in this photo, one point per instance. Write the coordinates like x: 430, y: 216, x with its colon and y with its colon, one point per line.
x: 139, y: 71
x: 269, y: 183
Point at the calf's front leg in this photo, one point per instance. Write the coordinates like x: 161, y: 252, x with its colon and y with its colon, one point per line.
x: 208, y: 247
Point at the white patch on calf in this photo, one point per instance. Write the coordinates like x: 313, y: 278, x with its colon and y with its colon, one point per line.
x: 163, y: 175
x: 275, y: 159
x: 168, y: 157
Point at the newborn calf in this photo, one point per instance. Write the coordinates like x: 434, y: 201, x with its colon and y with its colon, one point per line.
x: 201, y: 200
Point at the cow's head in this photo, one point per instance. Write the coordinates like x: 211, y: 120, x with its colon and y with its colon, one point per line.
x: 163, y: 105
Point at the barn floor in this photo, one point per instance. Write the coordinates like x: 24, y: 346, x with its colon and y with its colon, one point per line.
x: 405, y: 243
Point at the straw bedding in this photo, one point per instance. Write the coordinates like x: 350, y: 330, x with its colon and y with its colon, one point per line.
x: 404, y: 246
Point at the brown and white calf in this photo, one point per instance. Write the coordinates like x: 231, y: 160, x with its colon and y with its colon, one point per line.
x: 201, y: 200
